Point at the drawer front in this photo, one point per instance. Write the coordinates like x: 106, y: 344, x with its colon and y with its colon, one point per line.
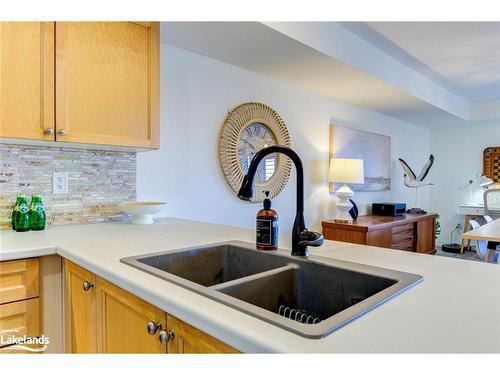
x: 402, y: 229
x: 403, y: 237
x: 343, y: 235
x: 407, y: 244
x: 20, y: 318
x: 470, y: 210
x: 19, y: 280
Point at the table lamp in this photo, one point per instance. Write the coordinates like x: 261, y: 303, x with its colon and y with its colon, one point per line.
x: 485, y: 181
x: 345, y: 171
x: 482, y: 180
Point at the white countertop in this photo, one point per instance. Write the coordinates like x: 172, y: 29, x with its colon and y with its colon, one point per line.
x: 455, y: 309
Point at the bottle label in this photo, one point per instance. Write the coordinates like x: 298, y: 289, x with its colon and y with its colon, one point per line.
x: 37, y: 207
x: 264, y: 228
x: 23, y: 208
x: 267, y: 232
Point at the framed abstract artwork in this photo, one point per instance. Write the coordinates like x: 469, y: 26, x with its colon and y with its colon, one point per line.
x: 374, y: 149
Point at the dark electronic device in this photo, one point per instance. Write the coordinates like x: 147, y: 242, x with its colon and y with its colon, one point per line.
x: 388, y: 209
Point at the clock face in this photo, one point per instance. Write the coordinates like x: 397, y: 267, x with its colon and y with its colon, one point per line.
x: 254, y: 138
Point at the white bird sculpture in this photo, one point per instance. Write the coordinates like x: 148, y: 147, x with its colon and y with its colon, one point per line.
x: 411, y: 180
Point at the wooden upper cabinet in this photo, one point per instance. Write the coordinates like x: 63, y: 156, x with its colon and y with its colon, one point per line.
x: 27, y: 80
x: 107, y: 83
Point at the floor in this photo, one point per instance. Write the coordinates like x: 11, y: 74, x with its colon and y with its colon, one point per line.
x: 467, y: 255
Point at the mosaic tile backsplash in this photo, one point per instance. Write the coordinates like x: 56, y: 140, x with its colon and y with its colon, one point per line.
x: 97, y: 182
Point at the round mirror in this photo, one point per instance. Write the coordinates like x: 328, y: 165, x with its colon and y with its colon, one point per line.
x: 247, y: 129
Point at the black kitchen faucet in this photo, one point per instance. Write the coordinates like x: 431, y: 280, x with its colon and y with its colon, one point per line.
x: 301, y: 237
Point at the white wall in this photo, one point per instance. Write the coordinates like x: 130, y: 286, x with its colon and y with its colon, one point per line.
x: 196, y: 94
x: 459, y: 157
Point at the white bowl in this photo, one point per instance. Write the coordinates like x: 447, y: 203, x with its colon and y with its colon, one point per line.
x: 142, y: 212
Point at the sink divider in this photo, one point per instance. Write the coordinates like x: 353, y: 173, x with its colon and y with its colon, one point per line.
x: 242, y: 280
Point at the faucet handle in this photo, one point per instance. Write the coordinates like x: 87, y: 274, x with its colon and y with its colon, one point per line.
x: 310, y: 238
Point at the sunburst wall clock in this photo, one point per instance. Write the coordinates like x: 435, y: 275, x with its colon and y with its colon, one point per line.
x: 247, y: 129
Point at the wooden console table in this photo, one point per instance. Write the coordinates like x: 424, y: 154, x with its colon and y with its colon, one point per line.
x: 409, y: 232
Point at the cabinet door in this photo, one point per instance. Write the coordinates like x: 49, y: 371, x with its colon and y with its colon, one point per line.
x: 27, y: 80
x: 122, y: 322
x: 79, y: 309
x: 107, y: 83
x: 189, y: 340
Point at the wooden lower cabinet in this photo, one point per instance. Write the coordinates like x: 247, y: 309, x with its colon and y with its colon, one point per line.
x: 20, y: 318
x: 79, y: 309
x: 112, y: 320
x: 190, y: 340
x: 122, y: 322
x: 20, y: 306
x: 19, y: 279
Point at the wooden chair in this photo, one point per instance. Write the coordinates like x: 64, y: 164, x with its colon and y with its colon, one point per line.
x: 491, y: 199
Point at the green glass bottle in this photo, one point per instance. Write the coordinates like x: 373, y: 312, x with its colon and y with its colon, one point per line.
x: 37, y: 213
x: 22, y: 219
x: 16, y: 208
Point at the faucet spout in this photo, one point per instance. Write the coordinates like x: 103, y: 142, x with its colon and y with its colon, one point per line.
x: 301, y: 237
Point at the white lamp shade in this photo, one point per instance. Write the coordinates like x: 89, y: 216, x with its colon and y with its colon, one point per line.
x: 485, y: 181
x: 346, y: 171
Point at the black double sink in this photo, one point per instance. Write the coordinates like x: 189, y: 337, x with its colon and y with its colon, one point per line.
x: 310, y: 296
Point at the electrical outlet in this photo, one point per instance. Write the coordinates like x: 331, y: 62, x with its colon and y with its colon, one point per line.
x: 60, y: 182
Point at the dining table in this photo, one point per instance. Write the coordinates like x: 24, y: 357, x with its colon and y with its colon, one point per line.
x: 488, y: 232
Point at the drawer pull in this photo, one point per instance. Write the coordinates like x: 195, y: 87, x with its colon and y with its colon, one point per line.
x: 87, y: 285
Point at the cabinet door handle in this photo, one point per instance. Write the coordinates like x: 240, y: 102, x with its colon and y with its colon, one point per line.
x: 165, y: 336
x: 153, y: 327
x: 48, y: 131
x: 87, y: 285
x: 62, y: 132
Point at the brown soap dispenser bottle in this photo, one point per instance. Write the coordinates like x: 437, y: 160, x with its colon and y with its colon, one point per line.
x: 267, y: 227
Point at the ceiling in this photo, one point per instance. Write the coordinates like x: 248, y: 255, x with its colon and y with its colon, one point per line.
x: 358, y: 63
x: 462, y: 56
